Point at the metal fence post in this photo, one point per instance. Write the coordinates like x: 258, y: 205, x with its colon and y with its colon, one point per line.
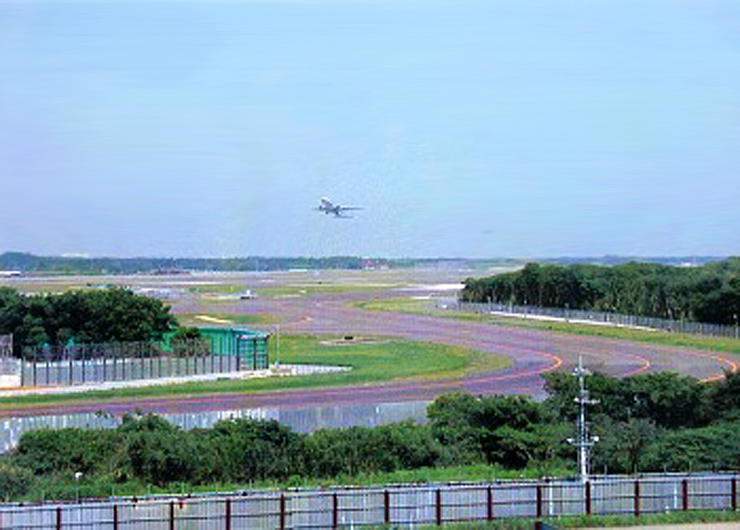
x: 335, y: 511
x: 58, y: 524
x: 685, y: 495
x: 438, y: 507
x: 587, y: 486
x: 172, y: 515
x: 387, y: 507
x: 115, y: 517
x: 282, y: 511
x: 539, y: 500
x: 227, y: 516
x: 733, y: 493
x: 489, y: 504
x: 637, y: 498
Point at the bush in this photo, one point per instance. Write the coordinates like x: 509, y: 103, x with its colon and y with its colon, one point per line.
x: 707, y: 448
x: 159, y: 453
x: 257, y: 449
x: 510, y: 430
x: 14, y: 480
x: 88, y: 451
x: 357, y: 450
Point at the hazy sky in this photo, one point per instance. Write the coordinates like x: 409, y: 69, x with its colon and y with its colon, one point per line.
x: 464, y: 128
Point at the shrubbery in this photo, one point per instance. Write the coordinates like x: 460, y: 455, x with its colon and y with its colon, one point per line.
x: 14, y: 480
x: 651, y: 422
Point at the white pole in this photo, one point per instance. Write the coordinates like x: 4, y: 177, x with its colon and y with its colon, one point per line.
x: 277, y: 346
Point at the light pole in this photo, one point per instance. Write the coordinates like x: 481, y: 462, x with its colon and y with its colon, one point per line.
x: 277, y: 346
x: 583, y: 442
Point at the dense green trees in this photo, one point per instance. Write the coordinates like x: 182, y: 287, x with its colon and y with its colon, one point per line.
x: 710, y: 293
x: 105, y: 315
x: 656, y: 422
x: 508, y: 430
x: 652, y: 422
x: 14, y: 481
x: 82, y: 265
x: 332, y: 452
x: 666, y: 398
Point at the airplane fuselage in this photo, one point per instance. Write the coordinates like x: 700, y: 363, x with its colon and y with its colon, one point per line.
x: 329, y: 207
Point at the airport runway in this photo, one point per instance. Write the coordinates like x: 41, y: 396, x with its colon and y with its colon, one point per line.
x: 532, y: 352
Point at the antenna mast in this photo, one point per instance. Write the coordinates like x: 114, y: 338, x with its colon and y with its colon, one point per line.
x: 583, y: 442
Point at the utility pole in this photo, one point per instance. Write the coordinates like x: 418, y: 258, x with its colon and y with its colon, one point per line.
x: 583, y: 442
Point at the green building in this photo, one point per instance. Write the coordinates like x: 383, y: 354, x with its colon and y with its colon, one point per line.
x: 246, y: 345
x: 239, y: 348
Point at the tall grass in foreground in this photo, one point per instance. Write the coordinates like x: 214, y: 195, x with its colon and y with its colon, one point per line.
x: 63, y: 488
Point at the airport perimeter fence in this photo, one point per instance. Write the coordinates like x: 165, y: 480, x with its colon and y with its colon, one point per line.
x: 6, y: 345
x: 6, y: 354
x: 130, y: 361
x: 399, y: 506
x: 675, y: 326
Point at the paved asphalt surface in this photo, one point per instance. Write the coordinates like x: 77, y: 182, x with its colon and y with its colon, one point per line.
x: 532, y: 353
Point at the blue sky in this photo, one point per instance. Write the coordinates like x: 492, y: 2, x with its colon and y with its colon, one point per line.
x: 467, y: 128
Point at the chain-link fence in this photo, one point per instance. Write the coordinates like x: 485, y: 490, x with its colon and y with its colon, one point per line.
x: 600, y: 317
x: 9, y: 367
x: 76, y: 364
x: 6, y: 346
x: 402, y: 506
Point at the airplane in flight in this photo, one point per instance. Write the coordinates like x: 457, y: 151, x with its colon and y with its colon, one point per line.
x: 329, y: 207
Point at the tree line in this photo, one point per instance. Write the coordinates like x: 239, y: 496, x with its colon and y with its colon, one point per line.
x: 102, y: 265
x: 24, y: 262
x: 105, y: 315
x: 653, y: 422
x: 710, y: 293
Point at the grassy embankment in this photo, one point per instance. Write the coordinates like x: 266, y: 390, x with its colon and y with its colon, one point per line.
x: 371, y: 362
x: 422, y: 307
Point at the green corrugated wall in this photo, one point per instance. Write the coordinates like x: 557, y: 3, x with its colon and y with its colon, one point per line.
x: 248, y: 345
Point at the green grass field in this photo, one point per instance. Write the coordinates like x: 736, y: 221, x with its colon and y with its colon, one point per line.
x: 309, y: 289
x: 228, y: 319
x: 383, y: 360
x: 287, y: 289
